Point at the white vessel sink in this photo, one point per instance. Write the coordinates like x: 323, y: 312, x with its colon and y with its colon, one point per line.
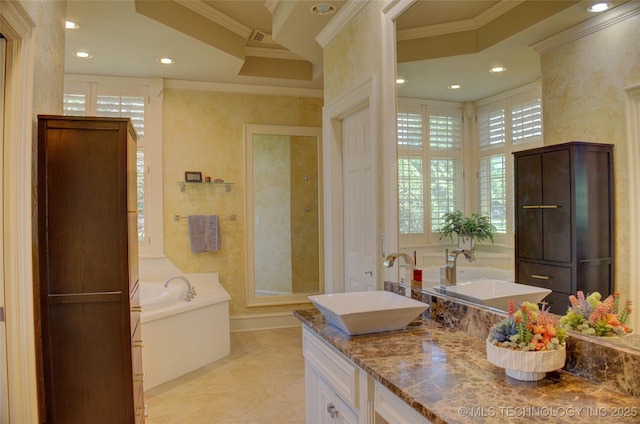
x: 369, y: 311
x: 497, y: 293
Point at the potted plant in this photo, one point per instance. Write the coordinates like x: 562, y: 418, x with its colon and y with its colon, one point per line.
x: 591, y: 315
x: 467, y: 229
x: 528, y: 343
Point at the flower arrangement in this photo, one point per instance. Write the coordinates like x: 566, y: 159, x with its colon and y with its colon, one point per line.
x: 528, y: 328
x: 594, y: 316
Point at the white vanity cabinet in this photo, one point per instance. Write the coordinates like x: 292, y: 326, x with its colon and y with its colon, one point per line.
x: 332, y: 384
x: 338, y: 391
x: 390, y: 409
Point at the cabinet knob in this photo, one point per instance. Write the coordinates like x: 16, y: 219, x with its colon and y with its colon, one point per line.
x: 332, y: 410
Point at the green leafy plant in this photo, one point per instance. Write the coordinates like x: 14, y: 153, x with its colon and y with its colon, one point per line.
x: 591, y: 315
x: 528, y: 328
x: 477, y: 227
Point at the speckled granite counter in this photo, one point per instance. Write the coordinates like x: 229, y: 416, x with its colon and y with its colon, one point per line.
x: 444, y: 375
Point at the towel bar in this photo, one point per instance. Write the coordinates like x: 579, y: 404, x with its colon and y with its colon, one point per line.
x: 221, y: 218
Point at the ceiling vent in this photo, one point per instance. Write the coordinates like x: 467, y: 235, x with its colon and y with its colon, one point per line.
x: 261, y: 36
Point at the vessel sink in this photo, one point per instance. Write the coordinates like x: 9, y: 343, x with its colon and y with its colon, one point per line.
x: 497, y: 293
x: 368, y: 311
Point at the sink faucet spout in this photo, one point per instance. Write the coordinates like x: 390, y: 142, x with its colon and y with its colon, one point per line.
x: 448, y: 271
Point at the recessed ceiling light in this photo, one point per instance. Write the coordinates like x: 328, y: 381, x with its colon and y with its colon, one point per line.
x: 83, y: 55
x: 71, y: 25
x: 323, y: 9
x: 497, y: 69
x: 598, y: 7
x: 166, y: 60
x: 455, y: 86
x: 401, y: 81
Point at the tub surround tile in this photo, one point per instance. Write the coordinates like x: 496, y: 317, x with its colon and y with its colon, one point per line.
x: 437, y: 371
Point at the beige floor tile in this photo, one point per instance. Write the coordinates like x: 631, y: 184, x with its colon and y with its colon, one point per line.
x: 260, y: 382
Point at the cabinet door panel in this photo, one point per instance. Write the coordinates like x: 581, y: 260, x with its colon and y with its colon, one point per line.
x: 529, y: 218
x: 556, y: 199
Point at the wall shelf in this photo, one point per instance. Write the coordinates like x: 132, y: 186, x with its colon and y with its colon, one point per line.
x: 226, y: 185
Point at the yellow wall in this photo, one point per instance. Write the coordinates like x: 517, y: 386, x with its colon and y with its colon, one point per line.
x: 203, y: 131
x: 354, y: 54
x: 583, y: 98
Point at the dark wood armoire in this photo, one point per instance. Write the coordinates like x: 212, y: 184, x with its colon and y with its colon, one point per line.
x: 87, y: 294
x: 564, y: 220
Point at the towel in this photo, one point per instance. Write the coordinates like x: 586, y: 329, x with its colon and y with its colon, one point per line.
x: 204, y: 233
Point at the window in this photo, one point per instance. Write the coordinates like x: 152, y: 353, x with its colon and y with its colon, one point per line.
x: 112, y: 97
x: 511, y: 123
x: 429, y: 167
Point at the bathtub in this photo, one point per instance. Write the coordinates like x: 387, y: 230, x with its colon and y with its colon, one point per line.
x: 181, y: 336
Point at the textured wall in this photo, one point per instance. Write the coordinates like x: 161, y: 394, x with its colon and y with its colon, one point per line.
x: 354, y: 54
x: 583, y: 98
x: 203, y: 131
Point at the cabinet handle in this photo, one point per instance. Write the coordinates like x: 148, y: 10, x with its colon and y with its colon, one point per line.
x: 540, y: 207
x: 138, y: 343
x: 332, y: 410
x: 540, y: 277
x: 531, y: 207
x: 140, y: 377
x: 136, y: 309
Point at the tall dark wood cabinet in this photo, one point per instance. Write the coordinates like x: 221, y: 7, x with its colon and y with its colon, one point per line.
x: 87, y: 294
x: 564, y: 220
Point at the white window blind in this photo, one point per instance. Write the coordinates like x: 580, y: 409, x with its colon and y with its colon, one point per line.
x: 429, y: 157
x: 493, y: 190
x: 491, y: 127
x: 409, y: 127
x: 75, y: 104
x: 526, y: 122
x: 411, y: 195
x: 445, y: 132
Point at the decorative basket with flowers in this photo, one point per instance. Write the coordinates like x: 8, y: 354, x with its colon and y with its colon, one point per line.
x: 528, y: 343
x: 591, y: 315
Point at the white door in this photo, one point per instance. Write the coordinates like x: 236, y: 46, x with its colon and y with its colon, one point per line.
x: 4, y: 391
x: 359, y: 202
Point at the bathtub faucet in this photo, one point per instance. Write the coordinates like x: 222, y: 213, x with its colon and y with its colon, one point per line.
x: 191, y: 291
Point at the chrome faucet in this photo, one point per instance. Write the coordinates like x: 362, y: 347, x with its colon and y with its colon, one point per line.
x: 191, y: 291
x: 390, y: 259
x: 448, y: 271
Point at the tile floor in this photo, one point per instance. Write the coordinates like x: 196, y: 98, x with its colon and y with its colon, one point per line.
x: 260, y: 382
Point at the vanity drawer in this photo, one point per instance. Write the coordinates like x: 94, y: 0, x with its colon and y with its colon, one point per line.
x: 556, y: 278
x: 338, y: 372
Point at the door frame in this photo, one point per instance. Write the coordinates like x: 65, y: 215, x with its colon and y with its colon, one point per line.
x: 362, y: 96
x: 18, y: 29
x: 633, y: 143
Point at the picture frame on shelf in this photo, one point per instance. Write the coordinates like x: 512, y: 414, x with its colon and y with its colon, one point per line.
x: 192, y: 177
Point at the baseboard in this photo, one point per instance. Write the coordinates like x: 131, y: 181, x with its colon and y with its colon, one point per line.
x: 255, y: 322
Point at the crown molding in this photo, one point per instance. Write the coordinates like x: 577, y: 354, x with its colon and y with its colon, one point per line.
x: 242, y: 88
x: 593, y: 25
x: 459, y: 26
x: 216, y: 16
x: 271, y: 53
x: 339, y: 21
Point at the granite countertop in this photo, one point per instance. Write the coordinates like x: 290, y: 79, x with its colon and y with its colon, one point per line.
x: 444, y: 375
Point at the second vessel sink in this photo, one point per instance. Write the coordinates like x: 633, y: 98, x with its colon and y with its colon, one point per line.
x: 369, y: 311
x: 497, y: 293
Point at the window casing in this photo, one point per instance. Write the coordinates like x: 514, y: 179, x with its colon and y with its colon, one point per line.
x: 505, y: 125
x: 114, y: 97
x: 429, y: 168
